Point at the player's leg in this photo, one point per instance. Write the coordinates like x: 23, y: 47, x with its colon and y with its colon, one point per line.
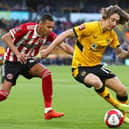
x: 89, y: 76
x: 122, y: 96
x: 104, y: 93
x: 4, y: 87
x: 107, y: 77
x: 10, y: 73
x: 100, y: 89
x: 5, y: 90
x: 2, y: 73
x: 47, y: 90
x: 124, y: 100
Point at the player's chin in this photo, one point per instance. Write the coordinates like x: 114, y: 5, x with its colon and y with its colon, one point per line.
x: 112, y: 27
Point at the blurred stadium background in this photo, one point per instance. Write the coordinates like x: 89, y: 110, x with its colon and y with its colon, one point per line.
x: 66, y: 15
x: 83, y: 110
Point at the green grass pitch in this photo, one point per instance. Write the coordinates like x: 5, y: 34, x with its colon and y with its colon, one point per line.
x: 83, y: 108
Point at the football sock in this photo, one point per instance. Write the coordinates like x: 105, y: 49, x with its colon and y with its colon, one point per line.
x: 3, y: 95
x: 104, y: 93
x: 47, y: 91
x: 122, y: 99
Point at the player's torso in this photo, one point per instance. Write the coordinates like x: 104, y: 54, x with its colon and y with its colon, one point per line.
x: 94, y: 45
x: 26, y: 42
x: 29, y: 44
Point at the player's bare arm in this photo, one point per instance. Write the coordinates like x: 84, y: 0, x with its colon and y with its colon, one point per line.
x: 60, y: 38
x: 66, y: 48
x: 121, y: 53
x: 7, y: 39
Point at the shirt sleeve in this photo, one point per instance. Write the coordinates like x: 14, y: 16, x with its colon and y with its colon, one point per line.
x: 51, y: 36
x: 115, y: 42
x: 18, y: 31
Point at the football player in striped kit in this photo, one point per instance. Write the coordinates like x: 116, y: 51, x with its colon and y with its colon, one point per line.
x: 24, y: 43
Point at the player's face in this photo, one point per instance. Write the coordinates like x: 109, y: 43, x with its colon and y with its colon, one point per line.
x: 112, y: 21
x: 46, y: 28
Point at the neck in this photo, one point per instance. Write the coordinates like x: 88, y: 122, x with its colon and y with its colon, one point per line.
x: 38, y: 30
x: 104, y: 29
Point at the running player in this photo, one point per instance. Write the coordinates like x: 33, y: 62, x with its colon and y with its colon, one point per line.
x: 92, y: 40
x: 24, y: 43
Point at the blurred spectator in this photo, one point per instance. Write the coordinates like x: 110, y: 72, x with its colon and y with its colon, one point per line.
x: 39, y: 7
x: 2, y: 51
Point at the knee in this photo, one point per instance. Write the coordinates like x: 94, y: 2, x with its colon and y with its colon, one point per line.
x: 45, y: 73
x: 94, y: 81
x: 122, y: 91
x: 3, y: 95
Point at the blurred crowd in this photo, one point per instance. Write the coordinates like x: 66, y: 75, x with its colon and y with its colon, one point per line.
x: 110, y: 57
x: 46, y: 6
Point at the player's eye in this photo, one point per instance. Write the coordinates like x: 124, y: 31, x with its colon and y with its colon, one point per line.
x: 114, y: 20
x: 50, y: 27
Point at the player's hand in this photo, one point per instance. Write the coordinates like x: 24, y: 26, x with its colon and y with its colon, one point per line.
x: 128, y: 52
x: 22, y: 58
x: 128, y: 49
x: 44, y: 53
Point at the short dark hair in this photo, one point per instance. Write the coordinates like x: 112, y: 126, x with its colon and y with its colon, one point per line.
x: 46, y: 17
x: 107, y: 12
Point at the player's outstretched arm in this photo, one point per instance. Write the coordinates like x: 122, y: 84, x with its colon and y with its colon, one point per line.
x: 67, y: 48
x: 59, y: 39
x: 121, y: 53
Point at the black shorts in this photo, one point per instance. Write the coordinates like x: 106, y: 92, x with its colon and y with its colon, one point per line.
x: 103, y: 73
x: 13, y: 69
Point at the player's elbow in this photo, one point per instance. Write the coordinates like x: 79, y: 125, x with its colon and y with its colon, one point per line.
x: 6, y: 37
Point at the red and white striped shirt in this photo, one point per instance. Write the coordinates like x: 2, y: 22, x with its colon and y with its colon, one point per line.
x: 27, y: 40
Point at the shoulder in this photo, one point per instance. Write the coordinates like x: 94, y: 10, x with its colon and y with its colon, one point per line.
x: 29, y: 25
x: 113, y: 33
x: 22, y: 29
x: 92, y: 24
x: 52, y: 36
x: 87, y: 26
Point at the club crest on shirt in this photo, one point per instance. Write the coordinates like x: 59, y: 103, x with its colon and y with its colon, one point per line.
x: 81, y: 27
x: 83, y: 73
x: 96, y: 47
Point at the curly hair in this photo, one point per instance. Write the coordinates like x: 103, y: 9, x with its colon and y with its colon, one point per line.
x: 108, y: 11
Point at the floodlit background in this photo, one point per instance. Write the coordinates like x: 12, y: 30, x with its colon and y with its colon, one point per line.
x: 66, y: 15
x: 82, y: 107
